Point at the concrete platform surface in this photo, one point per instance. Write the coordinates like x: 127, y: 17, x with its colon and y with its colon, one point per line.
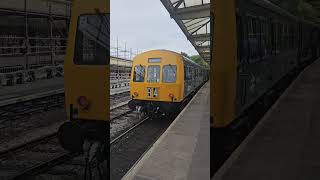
x: 19, y: 90
x: 119, y: 90
x: 40, y: 88
x: 182, y: 152
x: 286, y: 142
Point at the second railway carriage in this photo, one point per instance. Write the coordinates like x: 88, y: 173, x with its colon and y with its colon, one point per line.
x: 161, y: 79
x: 257, y: 46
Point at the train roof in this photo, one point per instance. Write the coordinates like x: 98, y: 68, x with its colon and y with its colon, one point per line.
x: 178, y: 54
x: 281, y: 11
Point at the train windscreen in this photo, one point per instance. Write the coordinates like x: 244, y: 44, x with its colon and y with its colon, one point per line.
x: 153, y: 74
x: 169, y: 73
x: 138, y: 74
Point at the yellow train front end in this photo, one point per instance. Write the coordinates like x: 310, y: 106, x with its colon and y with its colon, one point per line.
x: 86, y: 77
x: 157, y: 81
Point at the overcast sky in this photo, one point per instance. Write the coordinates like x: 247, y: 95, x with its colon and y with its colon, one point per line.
x: 146, y: 25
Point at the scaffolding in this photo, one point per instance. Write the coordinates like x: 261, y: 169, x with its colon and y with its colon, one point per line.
x: 122, y: 51
x: 35, y: 34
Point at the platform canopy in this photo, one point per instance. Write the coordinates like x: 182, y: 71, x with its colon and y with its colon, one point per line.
x: 193, y: 17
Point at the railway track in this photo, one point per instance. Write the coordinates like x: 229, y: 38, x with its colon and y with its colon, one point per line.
x: 30, y: 107
x: 127, y: 147
x: 41, y: 156
x: 120, y: 111
x: 31, y: 158
x: 129, y: 130
x: 118, y: 98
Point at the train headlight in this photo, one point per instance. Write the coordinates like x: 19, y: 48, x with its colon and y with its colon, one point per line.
x: 83, y: 102
x: 135, y: 94
x: 171, y: 95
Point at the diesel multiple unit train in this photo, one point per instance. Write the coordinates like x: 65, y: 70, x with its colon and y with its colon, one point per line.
x: 162, y: 79
x: 86, y: 69
x: 256, y: 44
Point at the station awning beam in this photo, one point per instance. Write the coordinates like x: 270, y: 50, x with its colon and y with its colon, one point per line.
x: 193, y: 12
x: 201, y: 37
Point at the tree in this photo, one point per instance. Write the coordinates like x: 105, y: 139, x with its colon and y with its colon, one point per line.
x: 185, y: 54
x: 197, y: 59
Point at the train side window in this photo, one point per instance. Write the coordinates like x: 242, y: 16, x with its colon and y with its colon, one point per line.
x: 239, y: 37
x: 138, y: 73
x: 280, y: 36
x: 274, y: 38
x: 192, y: 74
x: 169, y: 73
x: 153, y: 73
x: 264, y: 38
x: 92, y: 40
x: 188, y: 73
x: 254, y: 38
x: 293, y: 36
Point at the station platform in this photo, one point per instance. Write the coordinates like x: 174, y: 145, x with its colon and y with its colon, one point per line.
x: 37, y: 89
x: 120, y: 90
x: 285, y: 144
x: 182, y: 152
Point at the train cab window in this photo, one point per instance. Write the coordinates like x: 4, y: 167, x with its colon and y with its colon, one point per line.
x: 138, y: 73
x: 169, y: 73
x: 92, y: 40
x: 153, y: 73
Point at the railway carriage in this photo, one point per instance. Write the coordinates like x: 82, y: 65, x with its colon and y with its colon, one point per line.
x: 86, y: 78
x: 162, y: 79
x: 256, y: 46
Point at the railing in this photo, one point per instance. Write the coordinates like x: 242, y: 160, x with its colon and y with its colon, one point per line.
x: 119, y: 80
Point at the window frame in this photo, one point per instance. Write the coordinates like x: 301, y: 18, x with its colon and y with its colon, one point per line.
x: 134, y: 75
x: 75, y: 56
x: 163, y: 74
x: 158, y: 76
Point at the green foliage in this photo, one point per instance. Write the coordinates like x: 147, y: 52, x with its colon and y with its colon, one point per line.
x: 185, y: 54
x: 197, y: 59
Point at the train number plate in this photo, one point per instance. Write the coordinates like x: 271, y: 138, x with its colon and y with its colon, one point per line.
x: 152, y: 92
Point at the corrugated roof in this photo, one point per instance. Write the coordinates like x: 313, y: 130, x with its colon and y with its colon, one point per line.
x: 193, y: 17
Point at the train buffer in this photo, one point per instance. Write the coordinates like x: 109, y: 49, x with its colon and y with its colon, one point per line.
x: 285, y: 144
x: 182, y: 151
